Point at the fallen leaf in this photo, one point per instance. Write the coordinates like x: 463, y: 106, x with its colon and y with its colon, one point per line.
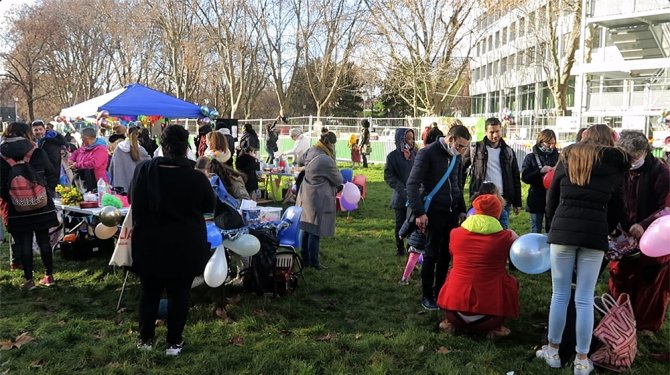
x: 326, y: 338
x: 38, y: 363
x: 61, y: 323
x: 237, y: 340
x: 221, y: 313
x: 420, y: 349
x: 22, y: 339
x: 6, y: 345
x: 358, y: 336
x: 98, y: 336
x: 285, y: 332
x: 159, y: 322
x: 388, y: 335
x: 443, y: 350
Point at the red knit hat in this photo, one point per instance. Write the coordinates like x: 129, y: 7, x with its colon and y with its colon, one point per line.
x: 487, y: 204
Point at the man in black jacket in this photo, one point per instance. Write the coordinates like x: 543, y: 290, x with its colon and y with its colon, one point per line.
x: 396, y: 171
x: 445, y: 210
x: 501, y: 168
x: 53, y: 144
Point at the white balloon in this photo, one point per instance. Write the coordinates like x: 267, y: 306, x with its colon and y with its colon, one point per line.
x: 216, y: 269
x: 350, y: 193
x: 245, y: 245
x: 104, y: 232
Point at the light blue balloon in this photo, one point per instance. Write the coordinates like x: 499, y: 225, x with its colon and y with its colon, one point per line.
x: 530, y: 253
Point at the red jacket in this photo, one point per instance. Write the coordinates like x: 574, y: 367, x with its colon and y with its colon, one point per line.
x: 478, y: 282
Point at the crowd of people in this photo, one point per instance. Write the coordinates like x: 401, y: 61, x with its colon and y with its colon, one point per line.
x: 603, y: 185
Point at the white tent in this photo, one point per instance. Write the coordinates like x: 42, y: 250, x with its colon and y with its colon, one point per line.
x: 90, y: 107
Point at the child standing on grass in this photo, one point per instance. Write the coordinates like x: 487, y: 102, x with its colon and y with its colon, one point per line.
x: 355, y: 150
x: 417, y: 245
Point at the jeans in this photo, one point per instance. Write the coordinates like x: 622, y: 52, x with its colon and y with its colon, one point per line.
x: 437, y: 257
x: 504, y: 216
x: 536, y: 221
x: 178, y: 294
x: 271, y: 155
x: 23, y: 245
x: 309, y: 244
x: 400, y: 217
x: 563, y: 261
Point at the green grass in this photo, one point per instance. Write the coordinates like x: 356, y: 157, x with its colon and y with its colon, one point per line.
x: 351, y: 318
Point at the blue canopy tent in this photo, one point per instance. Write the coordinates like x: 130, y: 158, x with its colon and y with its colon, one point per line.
x: 135, y: 100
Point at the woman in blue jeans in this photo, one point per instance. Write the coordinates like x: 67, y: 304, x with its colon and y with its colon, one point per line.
x: 584, y: 203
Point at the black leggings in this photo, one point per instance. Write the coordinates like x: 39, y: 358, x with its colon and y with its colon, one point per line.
x: 23, y: 245
x: 178, y: 295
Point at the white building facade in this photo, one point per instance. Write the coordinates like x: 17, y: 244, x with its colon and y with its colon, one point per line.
x: 621, y: 74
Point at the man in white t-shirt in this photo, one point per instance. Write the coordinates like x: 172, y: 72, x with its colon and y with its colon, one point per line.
x: 491, y: 159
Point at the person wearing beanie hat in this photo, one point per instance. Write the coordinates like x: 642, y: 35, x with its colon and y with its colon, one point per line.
x: 478, y: 293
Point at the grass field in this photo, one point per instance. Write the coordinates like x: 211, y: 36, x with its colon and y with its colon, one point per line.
x: 352, y: 318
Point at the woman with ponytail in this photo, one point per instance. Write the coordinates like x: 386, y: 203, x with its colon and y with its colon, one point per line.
x: 316, y: 196
x: 127, y: 155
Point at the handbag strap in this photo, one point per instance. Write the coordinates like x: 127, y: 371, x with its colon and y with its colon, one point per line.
x: 537, y: 160
x: 437, y: 187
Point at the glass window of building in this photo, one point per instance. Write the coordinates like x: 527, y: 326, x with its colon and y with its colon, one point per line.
x: 531, y: 55
x: 522, y: 27
x: 504, y: 36
x: 512, y: 32
x: 490, y: 42
x: 503, y: 65
x: 497, y: 38
x: 531, y: 22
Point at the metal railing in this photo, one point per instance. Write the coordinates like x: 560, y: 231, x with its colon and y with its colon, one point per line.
x: 603, y: 8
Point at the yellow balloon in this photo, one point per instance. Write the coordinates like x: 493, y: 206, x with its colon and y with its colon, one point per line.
x: 104, y: 232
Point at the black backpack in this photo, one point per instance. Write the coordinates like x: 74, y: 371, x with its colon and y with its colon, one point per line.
x: 272, y: 271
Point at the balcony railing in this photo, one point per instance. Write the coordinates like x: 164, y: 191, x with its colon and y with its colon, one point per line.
x: 603, y: 8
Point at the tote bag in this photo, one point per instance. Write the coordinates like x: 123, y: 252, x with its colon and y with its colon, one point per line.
x: 122, y: 256
x: 617, y: 332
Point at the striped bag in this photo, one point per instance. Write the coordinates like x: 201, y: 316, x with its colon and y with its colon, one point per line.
x: 617, y: 333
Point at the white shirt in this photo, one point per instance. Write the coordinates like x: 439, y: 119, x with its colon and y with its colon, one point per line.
x: 493, y: 167
x: 299, y: 147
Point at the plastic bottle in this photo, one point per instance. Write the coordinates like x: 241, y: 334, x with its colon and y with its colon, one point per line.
x: 102, y: 189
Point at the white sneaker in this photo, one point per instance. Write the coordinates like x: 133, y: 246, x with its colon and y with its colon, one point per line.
x: 174, y: 349
x: 550, y: 355
x: 583, y: 366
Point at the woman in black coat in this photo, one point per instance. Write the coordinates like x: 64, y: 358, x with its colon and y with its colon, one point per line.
x: 584, y: 202
x: 169, y: 243
x: 17, y: 143
x: 535, y: 166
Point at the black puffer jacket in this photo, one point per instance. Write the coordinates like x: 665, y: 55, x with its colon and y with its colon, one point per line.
x: 584, y: 215
x: 415, y: 238
x: 44, y: 218
x: 530, y: 174
x: 429, y: 166
x: 54, y: 145
x: 510, y: 171
x: 397, y: 168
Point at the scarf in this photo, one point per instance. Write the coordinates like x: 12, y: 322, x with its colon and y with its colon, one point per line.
x: 327, y: 148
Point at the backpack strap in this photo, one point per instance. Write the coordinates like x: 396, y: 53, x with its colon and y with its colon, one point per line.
x: 26, y: 158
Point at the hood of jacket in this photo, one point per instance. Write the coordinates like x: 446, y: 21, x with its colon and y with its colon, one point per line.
x: 311, y: 153
x: 52, y: 138
x: 124, y: 145
x: 482, y: 224
x: 98, y: 142
x: 15, y: 147
x: 400, y: 137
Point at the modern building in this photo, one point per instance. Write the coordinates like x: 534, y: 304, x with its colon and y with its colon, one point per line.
x: 621, y: 74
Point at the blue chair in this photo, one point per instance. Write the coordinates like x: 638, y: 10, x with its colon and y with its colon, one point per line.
x: 290, y: 236
x: 347, y: 175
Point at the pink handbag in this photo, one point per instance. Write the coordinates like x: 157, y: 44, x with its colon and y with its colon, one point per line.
x: 617, y: 333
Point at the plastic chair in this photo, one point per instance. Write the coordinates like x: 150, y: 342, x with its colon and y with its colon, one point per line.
x: 361, y: 181
x: 290, y: 236
x: 347, y: 175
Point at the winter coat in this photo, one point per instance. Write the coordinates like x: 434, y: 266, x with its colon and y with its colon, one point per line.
x: 644, y: 192
x: 271, y: 139
x: 248, y: 165
x: 429, y: 166
x: 584, y: 215
x: 397, y: 168
x: 54, y: 145
x: 510, y: 171
x: 122, y: 166
x: 530, y: 174
x: 317, y: 192
x: 415, y: 238
x: 169, y: 198
x: 44, y: 218
x: 477, y: 282
x: 249, y: 139
x: 94, y: 157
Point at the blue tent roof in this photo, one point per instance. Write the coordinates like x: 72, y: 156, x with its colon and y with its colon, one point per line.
x: 136, y: 100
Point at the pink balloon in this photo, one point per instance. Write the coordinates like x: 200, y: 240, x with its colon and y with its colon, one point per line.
x: 348, y: 206
x: 655, y: 241
x: 351, y: 194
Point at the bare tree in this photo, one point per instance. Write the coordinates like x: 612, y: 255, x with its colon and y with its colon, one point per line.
x: 426, y: 47
x: 329, y: 31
